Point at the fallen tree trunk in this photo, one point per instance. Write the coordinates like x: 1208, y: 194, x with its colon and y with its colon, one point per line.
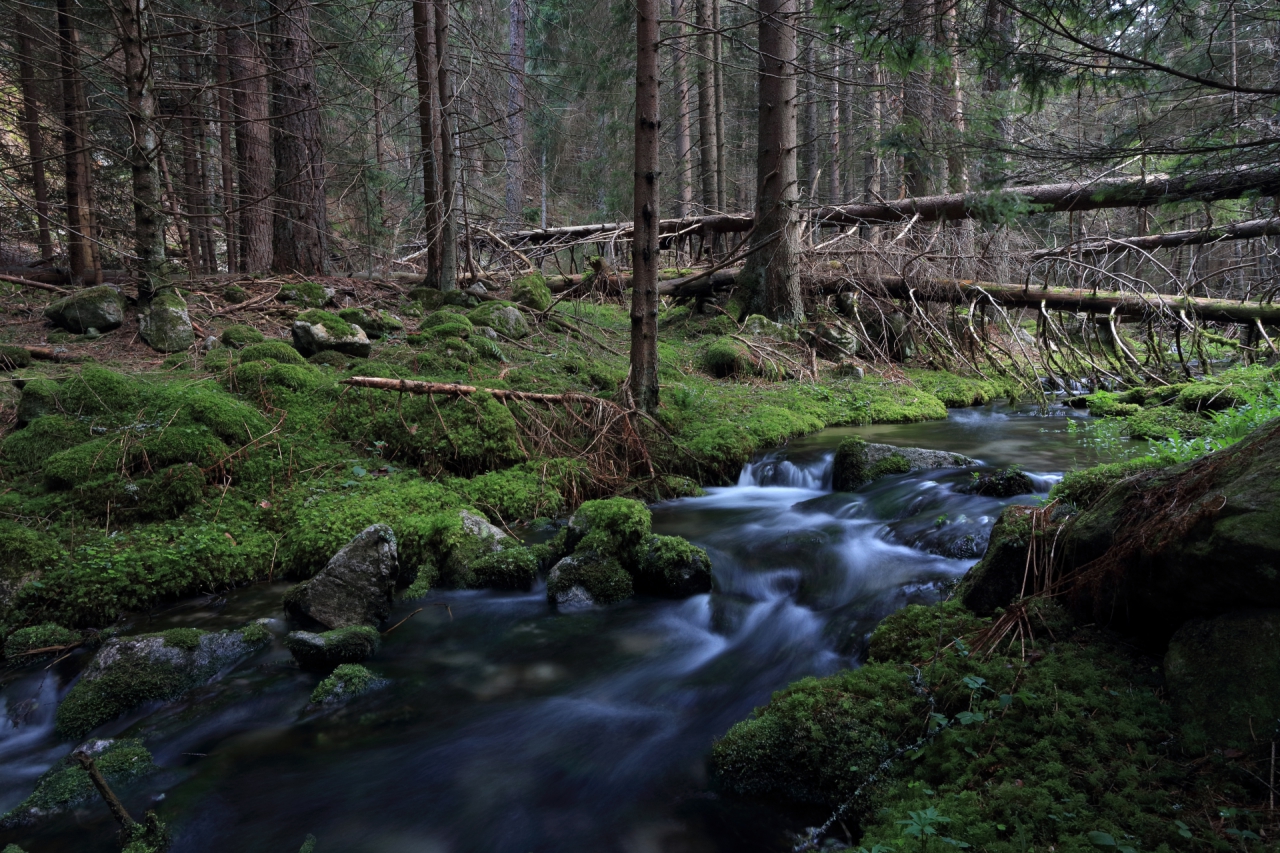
x: 413, y: 386
x: 1248, y: 230
x: 1139, y: 191
x: 961, y: 291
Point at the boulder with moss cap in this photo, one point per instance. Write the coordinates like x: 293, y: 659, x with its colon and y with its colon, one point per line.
x: 165, y: 324
x: 67, y: 783
x: 100, y: 308
x: 129, y: 671
x: 356, y: 586
x: 325, y: 651
x: 315, y: 331
x: 532, y: 292
x: 501, y: 317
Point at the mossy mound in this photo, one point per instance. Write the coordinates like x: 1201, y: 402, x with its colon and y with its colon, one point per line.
x: 586, y: 578
x: 67, y: 784
x: 1210, y: 397
x: 344, y: 683
x: 502, y: 317
x: 307, y: 294
x: 376, y: 323
x: 24, y: 641
x: 849, y: 468
x: 1082, y: 489
x: 510, y: 568
x: 127, y: 672
x: 235, y: 294
x: 336, y: 325
x: 324, y: 651
x: 532, y: 291
x: 165, y: 324
x: 725, y: 357
x: 1003, y: 753
x: 1002, y: 483
x: 275, y: 351
x: 13, y: 358
x: 237, y: 337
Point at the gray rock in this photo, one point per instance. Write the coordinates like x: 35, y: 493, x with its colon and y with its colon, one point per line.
x: 100, y: 308
x: 759, y: 326
x: 355, y: 587
x: 311, y: 338
x: 479, y: 526
x: 918, y: 458
x: 505, y: 319
x: 165, y: 324
x: 324, y: 652
x: 585, y: 579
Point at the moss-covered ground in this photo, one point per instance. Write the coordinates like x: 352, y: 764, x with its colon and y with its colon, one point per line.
x: 126, y: 485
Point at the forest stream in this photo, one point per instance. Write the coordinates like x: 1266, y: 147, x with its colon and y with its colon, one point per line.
x: 506, y: 727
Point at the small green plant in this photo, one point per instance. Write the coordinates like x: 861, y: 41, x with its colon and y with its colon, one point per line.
x: 923, y: 825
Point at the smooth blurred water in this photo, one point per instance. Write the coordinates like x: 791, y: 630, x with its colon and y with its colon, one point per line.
x: 507, y: 727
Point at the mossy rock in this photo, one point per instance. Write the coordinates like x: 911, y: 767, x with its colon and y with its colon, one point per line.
x: 461, y: 298
x: 1000, y: 577
x: 100, y: 308
x: 325, y: 651
x: 918, y: 632
x: 67, y: 784
x: 24, y: 554
x: 725, y: 357
x: 376, y: 323
x: 618, y: 527
x: 1082, y: 489
x: 532, y: 291
x: 82, y: 463
x: 1206, y: 397
x: 26, y: 449
x: 759, y: 326
x: 277, y: 351
x: 849, y: 469
x: 345, y: 683
x: 47, y: 636
x: 502, y: 317
x: 127, y: 672
x: 13, y: 358
x: 237, y: 337
x: 165, y: 324
x: 1224, y: 680
x: 1165, y: 422
x: 587, y: 578
x: 894, y: 463
x: 235, y: 294
x: 673, y: 567
x: 445, y: 319
x: 511, y: 568
x: 1002, y: 483
x: 307, y: 294
x: 429, y: 298
x: 1105, y: 404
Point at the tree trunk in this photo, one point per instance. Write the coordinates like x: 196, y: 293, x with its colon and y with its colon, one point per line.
x: 227, y: 158
x: 770, y: 275
x: 144, y: 150
x: 300, y: 227
x: 253, y: 149
x: 717, y: 47
x: 643, y: 381
x: 917, y: 101
x: 191, y: 199
x: 514, y: 142
x: 448, y: 278
x: 872, y: 167
x: 80, y: 253
x: 684, y: 144
x: 708, y: 149
x: 424, y: 38
x: 835, y: 187
x: 31, y: 129
x: 809, y: 147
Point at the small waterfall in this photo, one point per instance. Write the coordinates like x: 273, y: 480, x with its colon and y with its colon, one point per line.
x: 774, y: 469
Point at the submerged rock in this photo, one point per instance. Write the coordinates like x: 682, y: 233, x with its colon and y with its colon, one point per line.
x: 356, y: 586
x: 674, y: 568
x: 323, y: 652
x: 100, y: 308
x: 858, y: 462
x: 67, y: 784
x: 165, y: 324
x: 132, y: 670
x: 1223, y: 676
x: 1004, y: 483
x: 584, y: 579
x: 344, y: 683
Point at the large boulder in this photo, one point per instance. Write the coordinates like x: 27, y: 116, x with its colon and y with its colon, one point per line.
x: 1223, y: 675
x: 326, y: 651
x: 532, y: 292
x: 355, y: 587
x: 673, y: 567
x: 165, y: 324
x: 319, y: 331
x: 374, y: 322
x: 858, y: 462
x: 505, y: 319
x: 129, y: 671
x: 100, y: 308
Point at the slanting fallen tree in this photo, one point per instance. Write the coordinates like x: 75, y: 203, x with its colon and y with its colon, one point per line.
x: 1248, y: 230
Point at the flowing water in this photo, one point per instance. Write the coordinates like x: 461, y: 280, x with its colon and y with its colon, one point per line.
x: 509, y: 728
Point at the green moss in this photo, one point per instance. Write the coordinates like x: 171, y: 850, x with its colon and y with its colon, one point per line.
x: 510, y: 568
x: 345, y: 682
x: 673, y: 566
x: 27, y: 449
x: 959, y: 391
x: 1104, y: 404
x: 217, y: 360
x: 235, y: 294
x: 67, y: 784
x: 603, y: 578
x: 445, y: 317
x: 333, y: 324
x: 255, y: 635
x: 277, y: 351
x: 526, y: 490
x: 617, y: 527
x: 330, y: 649
x: 241, y: 336
x: 308, y: 294
x: 917, y: 633
x: 849, y: 469
x: 329, y: 357
x: 44, y: 636
x: 375, y: 323
x: 1163, y: 422
x: 1082, y: 489
x: 726, y: 357
x: 182, y: 638
x: 1208, y: 397
x: 82, y: 463
x: 13, y: 358
x: 532, y: 291
x: 895, y: 463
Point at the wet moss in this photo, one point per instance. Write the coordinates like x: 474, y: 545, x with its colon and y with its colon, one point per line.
x: 1082, y: 489
x: 849, y: 469
x: 895, y: 463
x: 346, y: 682
x: 674, y: 567
x: 511, y: 568
x: 602, y: 578
x: 67, y: 784
x: 325, y: 651
x: 618, y: 527
x: 25, y: 640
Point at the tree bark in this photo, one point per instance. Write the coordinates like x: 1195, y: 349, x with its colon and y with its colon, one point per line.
x: 300, y: 226
x: 31, y: 129
x: 424, y: 55
x: 643, y: 379
x: 448, y: 277
x: 80, y: 250
x: 144, y: 150
x: 770, y: 277
x: 917, y: 98
x: 809, y: 141
x: 249, y: 73
x: 708, y: 148
x: 717, y: 48
x: 684, y: 142
x: 225, y: 151
x: 514, y: 143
